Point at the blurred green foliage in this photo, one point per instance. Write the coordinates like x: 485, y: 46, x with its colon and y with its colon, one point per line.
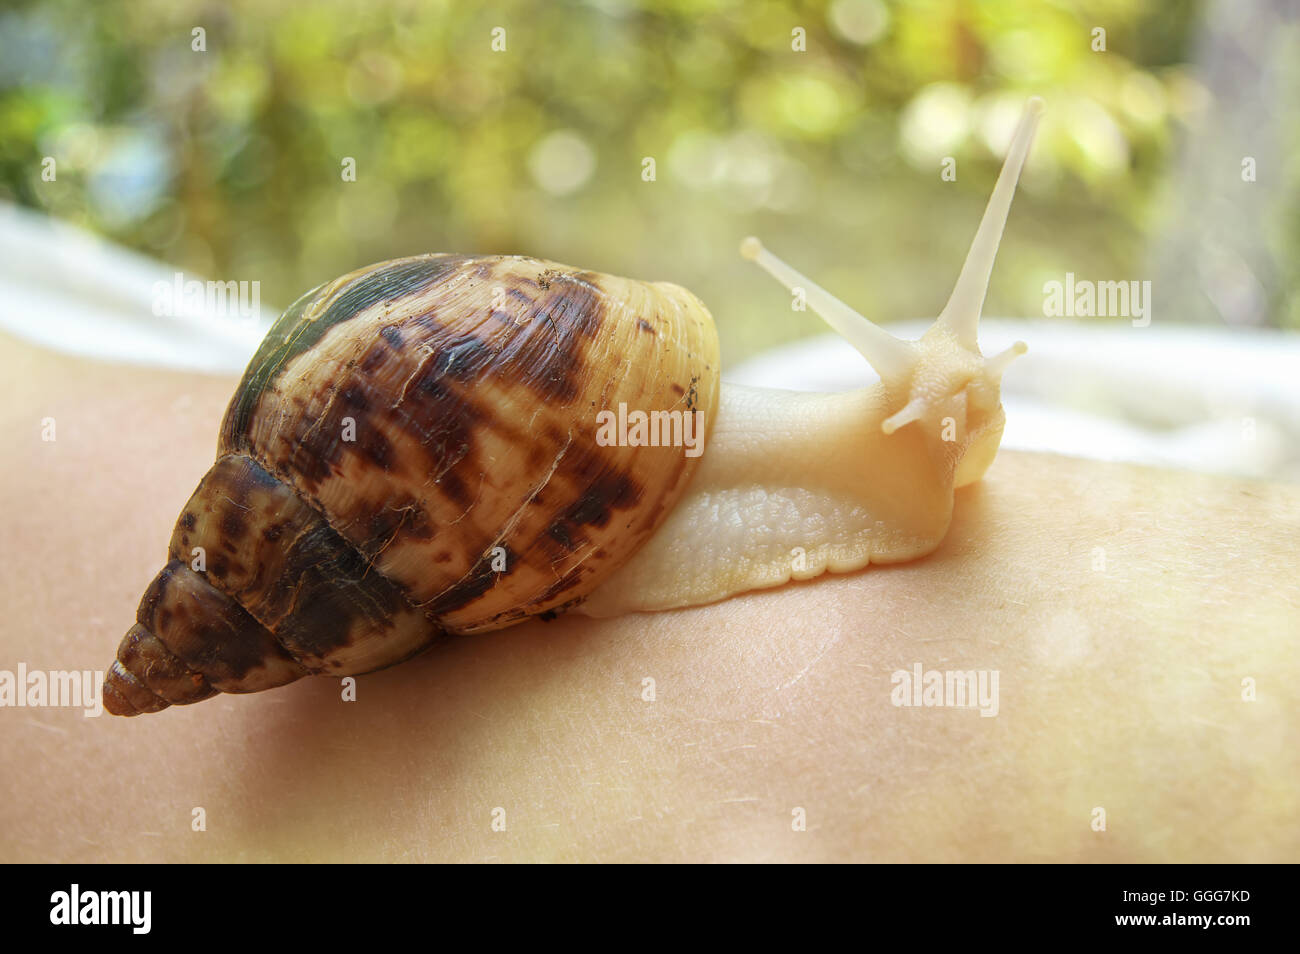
x: 228, y: 161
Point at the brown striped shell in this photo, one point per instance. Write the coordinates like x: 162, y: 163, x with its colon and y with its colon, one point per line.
x: 413, y: 451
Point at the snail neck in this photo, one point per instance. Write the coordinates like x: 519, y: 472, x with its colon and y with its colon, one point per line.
x: 792, y: 485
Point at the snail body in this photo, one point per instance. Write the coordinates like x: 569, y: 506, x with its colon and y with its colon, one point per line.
x: 413, y: 451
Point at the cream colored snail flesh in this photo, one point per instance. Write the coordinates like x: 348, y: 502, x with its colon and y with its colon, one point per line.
x: 414, y: 451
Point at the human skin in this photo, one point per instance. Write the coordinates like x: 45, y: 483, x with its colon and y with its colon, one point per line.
x: 1121, y: 606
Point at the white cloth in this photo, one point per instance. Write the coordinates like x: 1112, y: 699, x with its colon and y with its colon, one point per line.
x: 1216, y: 400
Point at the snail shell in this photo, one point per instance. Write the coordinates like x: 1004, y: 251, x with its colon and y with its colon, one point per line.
x: 412, y: 451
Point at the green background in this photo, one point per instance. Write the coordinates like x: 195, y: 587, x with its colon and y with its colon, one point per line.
x: 227, y: 162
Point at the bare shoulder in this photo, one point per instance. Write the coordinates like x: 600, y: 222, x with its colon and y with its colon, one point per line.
x: 1139, y: 622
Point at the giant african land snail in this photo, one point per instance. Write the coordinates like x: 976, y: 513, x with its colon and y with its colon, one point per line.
x: 413, y: 451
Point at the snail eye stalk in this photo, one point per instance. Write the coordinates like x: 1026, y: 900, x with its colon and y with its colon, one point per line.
x: 962, y: 313
x: 893, y: 358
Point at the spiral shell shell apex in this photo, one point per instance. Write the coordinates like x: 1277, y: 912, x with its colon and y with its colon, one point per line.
x: 413, y: 451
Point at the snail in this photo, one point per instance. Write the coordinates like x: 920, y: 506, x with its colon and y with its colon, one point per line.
x: 414, y: 450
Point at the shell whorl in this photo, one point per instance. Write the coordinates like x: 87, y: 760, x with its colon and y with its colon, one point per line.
x: 411, y: 451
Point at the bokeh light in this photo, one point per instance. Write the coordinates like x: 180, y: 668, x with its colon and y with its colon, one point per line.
x: 820, y: 126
